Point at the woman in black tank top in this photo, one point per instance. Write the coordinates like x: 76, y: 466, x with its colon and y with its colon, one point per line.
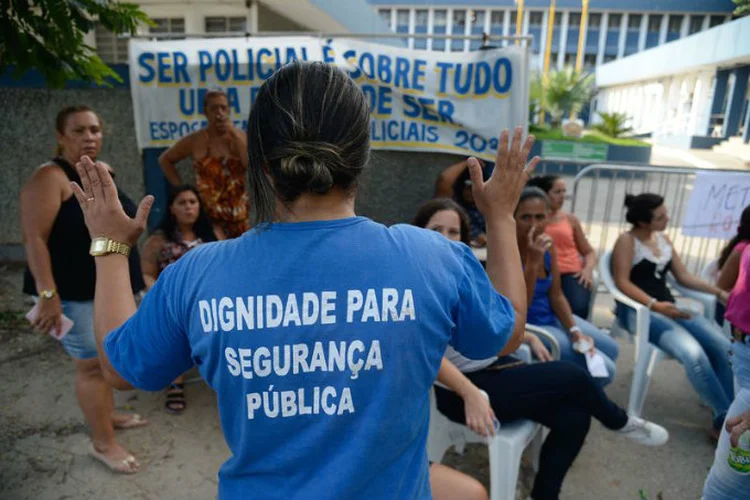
x: 61, y: 276
x: 641, y: 259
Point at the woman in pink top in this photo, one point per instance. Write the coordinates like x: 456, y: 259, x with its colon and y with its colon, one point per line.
x: 576, y: 257
x: 729, y: 478
x: 729, y: 260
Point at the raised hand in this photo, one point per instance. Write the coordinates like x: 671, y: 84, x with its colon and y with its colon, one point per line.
x: 499, y: 196
x: 101, y: 206
x: 538, y: 245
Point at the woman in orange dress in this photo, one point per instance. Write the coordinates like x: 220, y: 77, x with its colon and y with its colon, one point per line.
x: 219, y: 154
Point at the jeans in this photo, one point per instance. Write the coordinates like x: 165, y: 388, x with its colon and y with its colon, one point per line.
x: 604, y: 344
x: 723, y: 482
x: 578, y: 296
x: 700, y: 347
x: 559, y: 395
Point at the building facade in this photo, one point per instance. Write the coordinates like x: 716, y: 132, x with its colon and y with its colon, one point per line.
x: 614, y: 29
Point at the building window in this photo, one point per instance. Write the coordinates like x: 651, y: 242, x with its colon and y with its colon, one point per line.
x: 574, y: 20
x: 595, y: 21
x: 226, y: 24
x: 536, y: 18
x: 558, y: 19
x: 402, y: 21
x: 112, y: 49
x: 614, y: 21
x: 634, y: 21
x: 477, y: 28
x: 696, y: 24
x: 609, y: 58
x: 439, y: 25
x: 654, y: 23
x: 570, y: 59
x: 589, y: 60
x: 172, y: 25
x: 675, y: 24
x: 459, y: 25
x: 715, y: 21
x: 421, y: 17
x: 513, y: 21
x: 385, y: 15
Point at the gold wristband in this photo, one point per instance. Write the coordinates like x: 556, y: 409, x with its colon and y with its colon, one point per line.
x: 106, y: 246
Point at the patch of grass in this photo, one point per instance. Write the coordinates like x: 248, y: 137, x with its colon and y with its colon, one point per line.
x: 556, y: 134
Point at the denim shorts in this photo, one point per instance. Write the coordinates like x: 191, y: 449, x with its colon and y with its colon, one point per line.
x: 80, y: 342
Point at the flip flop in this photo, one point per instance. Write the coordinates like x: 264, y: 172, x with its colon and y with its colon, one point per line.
x: 127, y: 465
x: 134, y: 421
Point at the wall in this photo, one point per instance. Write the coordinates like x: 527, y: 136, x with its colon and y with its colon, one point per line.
x: 391, y: 189
x: 618, y: 5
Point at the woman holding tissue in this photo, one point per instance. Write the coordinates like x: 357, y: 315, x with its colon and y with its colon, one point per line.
x: 640, y: 261
x: 580, y: 341
x: 559, y: 395
x: 61, y: 276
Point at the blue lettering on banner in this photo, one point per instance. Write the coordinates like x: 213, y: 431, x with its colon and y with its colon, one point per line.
x: 144, y: 62
x: 403, y: 131
x: 205, y: 64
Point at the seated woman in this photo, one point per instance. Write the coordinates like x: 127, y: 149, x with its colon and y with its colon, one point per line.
x: 559, y: 395
x: 185, y: 226
x: 640, y: 262
x: 576, y: 257
x: 729, y: 260
x: 548, y: 306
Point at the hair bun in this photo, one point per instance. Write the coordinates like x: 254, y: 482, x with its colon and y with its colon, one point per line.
x: 309, y: 166
x: 629, y: 199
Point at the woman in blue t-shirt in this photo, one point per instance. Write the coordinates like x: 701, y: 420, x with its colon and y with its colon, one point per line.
x: 548, y: 306
x: 321, y: 332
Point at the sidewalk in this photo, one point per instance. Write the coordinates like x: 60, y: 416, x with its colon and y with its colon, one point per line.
x: 43, y: 440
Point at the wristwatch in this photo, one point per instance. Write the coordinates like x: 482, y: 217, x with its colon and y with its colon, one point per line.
x: 105, y: 246
x: 47, y: 294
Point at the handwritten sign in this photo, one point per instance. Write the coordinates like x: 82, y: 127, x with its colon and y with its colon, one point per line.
x: 419, y: 100
x: 715, y: 204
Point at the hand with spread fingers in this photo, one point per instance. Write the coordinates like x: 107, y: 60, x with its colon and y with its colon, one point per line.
x: 499, y: 196
x: 101, y: 206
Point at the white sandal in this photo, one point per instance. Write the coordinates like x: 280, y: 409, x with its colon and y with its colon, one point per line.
x: 128, y: 465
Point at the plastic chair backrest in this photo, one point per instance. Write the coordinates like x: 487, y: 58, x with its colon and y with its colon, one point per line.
x: 710, y: 272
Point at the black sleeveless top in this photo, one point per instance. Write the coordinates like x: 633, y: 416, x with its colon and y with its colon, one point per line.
x: 73, y: 268
x: 649, y: 273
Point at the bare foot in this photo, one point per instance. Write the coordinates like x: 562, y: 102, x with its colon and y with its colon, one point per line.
x: 115, y: 457
x: 128, y: 420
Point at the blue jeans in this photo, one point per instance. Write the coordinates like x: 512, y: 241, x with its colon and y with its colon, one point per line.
x: 723, y: 482
x: 606, y: 346
x: 700, y: 347
x: 579, y: 297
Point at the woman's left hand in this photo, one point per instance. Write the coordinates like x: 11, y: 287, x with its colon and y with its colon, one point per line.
x: 538, y: 348
x: 585, y: 278
x: 480, y: 417
x: 101, y: 206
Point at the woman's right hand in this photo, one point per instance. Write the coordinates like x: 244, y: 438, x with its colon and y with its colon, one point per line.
x: 538, y: 246
x: 49, y: 315
x: 499, y: 196
x: 669, y: 310
x: 480, y: 417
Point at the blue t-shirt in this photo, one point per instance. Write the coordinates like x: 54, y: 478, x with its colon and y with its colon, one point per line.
x: 540, y: 310
x: 321, y: 340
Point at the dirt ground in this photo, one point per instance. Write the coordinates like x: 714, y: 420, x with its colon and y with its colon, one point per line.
x: 44, y: 442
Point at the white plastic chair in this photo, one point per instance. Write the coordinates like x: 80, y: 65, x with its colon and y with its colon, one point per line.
x: 647, y: 355
x: 505, y: 448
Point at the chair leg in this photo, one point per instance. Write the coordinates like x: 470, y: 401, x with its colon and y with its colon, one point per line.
x: 535, y: 448
x: 641, y: 378
x: 505, y: 461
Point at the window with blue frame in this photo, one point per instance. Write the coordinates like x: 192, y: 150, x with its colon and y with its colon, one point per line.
x: 513, y: 21
x: 402, y: 21
x: 536, y: 19
x: 497, y: 18
x: 421, y: 18
x: 477, y: 27
x: 439, y: 26
x: 593, y: 28
x: 653, y: 28
x: 556, y: 31
x: 715, y: 21
x: 459, y: 27
x: 613, y: 34
x: 634, y: 32
x: 589, y: 61
x: 696, y: 24
x: 385, y: 15
x: 574, y: 30
x: 673, y: 27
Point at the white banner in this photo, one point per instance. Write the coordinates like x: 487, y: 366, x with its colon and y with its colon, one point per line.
x: 420, y: 100
x: 716, y: 203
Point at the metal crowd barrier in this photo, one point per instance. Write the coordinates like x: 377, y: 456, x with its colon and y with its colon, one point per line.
x: 598, y: 200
